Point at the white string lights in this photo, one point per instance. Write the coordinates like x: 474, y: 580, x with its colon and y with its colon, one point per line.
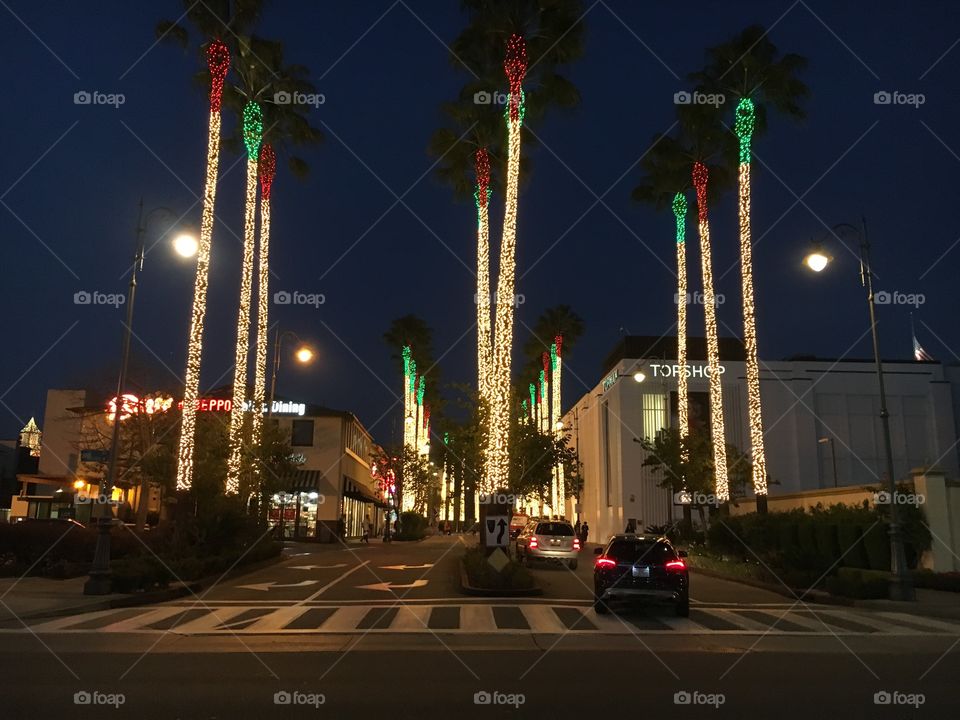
x: 680, y: 213
x: 484, y: 340
x: 218, y: 61
x: 267, y: 171
x: 700, y: 177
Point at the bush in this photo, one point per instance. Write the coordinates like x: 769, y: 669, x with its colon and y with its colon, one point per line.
x: 851, y: 543
x: 927, y: 579
x: 413, y: 526
x: 860, y: 584
x: 482, y: 574
x: 876, y: 542
x: 139, y: 574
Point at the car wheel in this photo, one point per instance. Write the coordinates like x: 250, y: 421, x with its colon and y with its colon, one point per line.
x: 600, y: 607
x: 572, y: 564
x: 682, y: 608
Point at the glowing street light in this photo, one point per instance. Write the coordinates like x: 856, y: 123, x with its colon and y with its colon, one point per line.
x: 186, y: 245
x: 639, y: 377
x: 304, y: 354
x: 817, y: 260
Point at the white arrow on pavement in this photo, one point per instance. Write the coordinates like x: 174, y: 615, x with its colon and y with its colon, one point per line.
x: 406, y: 567
x: 272, y: 585
x: 315, y: 567
x: 387, y: 587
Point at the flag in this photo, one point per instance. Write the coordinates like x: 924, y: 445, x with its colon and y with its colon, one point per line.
x: 919, y: 354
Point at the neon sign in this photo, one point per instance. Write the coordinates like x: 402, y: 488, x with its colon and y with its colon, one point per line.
x: 132, y: 405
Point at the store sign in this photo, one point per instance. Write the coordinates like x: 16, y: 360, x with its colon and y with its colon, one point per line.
x: 610, y: 379
x: 132, y: 405
x: 691, y: 371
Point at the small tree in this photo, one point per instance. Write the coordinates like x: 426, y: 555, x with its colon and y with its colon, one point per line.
x: 412, y: 473
x: 534, y: 455
x: 686, y: 464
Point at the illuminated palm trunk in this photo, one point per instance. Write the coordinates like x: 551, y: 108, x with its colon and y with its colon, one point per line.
x: 484, y: 340
x: 744, y: 126
x: 557, y: 363
x: 497, y: 456
x: 409, y: 420
x: 680, y: 212
x: 700, y: 175
x: 252, y: 134
x: 218, y: 60
x: 267, y: 171
x: 545, y: 427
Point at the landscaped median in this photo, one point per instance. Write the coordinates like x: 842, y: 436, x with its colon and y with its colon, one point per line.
x: 486, y: 576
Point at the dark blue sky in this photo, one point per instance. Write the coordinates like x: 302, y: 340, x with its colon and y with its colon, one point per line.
x: 72, y: 175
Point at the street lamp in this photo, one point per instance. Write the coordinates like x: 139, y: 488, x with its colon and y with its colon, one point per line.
x: 303, y: 355
x: 901, y: 588
x: 99, y: 582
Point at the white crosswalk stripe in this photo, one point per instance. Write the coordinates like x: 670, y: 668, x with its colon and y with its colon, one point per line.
x: 474, y: 618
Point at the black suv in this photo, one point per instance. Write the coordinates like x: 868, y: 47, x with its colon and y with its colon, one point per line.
x: 641, y: 568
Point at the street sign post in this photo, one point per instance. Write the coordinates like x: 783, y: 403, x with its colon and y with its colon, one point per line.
x: 495, y: 513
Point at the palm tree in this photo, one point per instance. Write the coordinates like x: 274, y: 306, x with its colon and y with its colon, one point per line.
x: 670, y: 167
x: 555, y: 37
x: 267, y: 170
x: 750, y: 68
x: 557, y: 328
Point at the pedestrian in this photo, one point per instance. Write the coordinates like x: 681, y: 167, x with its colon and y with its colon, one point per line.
x: 631, y: 527
x: 584, y: 534
x: 576, y: 528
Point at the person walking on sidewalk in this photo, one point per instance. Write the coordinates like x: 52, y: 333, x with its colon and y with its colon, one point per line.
x: 584, y: 534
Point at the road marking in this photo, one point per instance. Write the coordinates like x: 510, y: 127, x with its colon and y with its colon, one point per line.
x: 477, y: 618
x: 276, y: 620
x: 406, y: 567
x: 542, y: 619
x: 413, y: 618
x: 330, y: 584
x: 389, y: 587
x: 315, y: 567
x: 264, y: 587
x: 209, y: 622
x: 345, y: 620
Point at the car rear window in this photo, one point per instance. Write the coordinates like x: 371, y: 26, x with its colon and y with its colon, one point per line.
x: 654, y: 553
x: 554, y: 528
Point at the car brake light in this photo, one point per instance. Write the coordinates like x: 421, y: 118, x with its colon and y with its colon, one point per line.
x: 533, y: 542
x: 675, y: 565
x: 576, y: 543
x: 605, y: 562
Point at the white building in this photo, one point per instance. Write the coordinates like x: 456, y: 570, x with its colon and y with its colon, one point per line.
x: 814, y: 411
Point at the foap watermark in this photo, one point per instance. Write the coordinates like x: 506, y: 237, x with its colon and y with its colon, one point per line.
x: 698, y: 298
x: 100, y: 499
x: 295, y: 697
x: 695, y: 697
x: 295, y: 297
x: 685, y: 97
x: 518, y: 299
x: 895, y: 297
x: 282, y: 97
x: 497, y: 499
x: 896, y: 697
x: 895, y: 97
x: 485, y: 97
x: 95, y: 697
x: 95, y: 97
x: 694, y: 497
x: 898, y: 498
x: 95, y: 297
x: 484, y: 697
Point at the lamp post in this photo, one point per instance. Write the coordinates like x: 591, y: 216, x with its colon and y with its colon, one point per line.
x: 303, y: 354
x: 901, y: 586
x: 99, y: 582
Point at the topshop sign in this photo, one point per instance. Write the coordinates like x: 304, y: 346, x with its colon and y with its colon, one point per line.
x: 691, y: 371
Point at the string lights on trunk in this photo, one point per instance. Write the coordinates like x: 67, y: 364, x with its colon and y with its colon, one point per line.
x: 267, y: 171
x: 744, y: 126
x: 218, y: 62
x: 484, y: 340
x: 700, y: 177
x: 680, y: 213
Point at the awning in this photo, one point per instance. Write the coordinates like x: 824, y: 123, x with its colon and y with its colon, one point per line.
x: 353, y: 489
x: 303, y: 480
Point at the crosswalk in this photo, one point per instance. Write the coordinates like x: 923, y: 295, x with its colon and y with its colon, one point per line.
x: 483, y: 618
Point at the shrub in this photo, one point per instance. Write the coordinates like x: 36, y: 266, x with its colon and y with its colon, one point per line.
x: 949, y: 581
x: 138, y: 574
x: 857, y: 583
x: 850, y: 537
x: 413, y: 526
x: 876, y: 543
x: 482, y: 574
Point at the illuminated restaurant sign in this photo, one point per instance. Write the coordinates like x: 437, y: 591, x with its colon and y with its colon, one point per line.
x: 132, y: 405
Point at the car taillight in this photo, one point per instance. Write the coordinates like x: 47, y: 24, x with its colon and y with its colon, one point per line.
x: 605, y: 562
x: 533, y: 542
x: 675, y: 566
x: 576, y: 543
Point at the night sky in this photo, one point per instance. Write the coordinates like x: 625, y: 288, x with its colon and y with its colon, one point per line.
x: 72, y: 176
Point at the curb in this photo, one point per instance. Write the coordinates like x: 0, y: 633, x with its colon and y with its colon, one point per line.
x: 818, y: 596
x: 467, y: 589
x: 174, y: 592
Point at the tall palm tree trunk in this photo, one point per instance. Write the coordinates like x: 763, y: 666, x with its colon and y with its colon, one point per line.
x: 700, y: 176
x: 484, y: 340
x: 252, y: 135
x: 683, y: 419
x: 557, y: 368
x: 218, y: 61
x: 744, y: 126
x: 497, y: 456
x: 267, y: 171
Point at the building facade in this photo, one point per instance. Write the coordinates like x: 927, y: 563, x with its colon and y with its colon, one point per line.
x: 821, y: 424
